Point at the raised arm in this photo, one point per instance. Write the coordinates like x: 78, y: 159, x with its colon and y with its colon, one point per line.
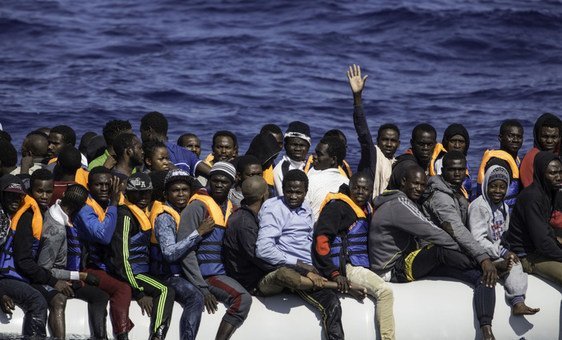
x: 368, y: 152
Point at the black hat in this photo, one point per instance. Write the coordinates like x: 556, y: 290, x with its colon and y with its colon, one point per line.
x: 139, y: 182
x: 299, y: 130
x: 11, y: 183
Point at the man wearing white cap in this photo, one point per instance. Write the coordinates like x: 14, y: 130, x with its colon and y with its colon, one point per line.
x: 297, y: 142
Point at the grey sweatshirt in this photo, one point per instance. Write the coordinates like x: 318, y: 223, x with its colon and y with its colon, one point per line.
x: 442, y: 204
x: 53, y: 251
x: 487, y: 221
x: 395, y: 228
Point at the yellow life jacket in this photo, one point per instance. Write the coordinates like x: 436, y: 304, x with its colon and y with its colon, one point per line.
x: 140, y: 215
x: 100, y: 212
x: 339, y: 196
x: 36, y: 221
x: 268, y: 175
x: 214, y: 209
x: 340, y: 169
x: 209, y: 160
x: 157, y: 209
x: 81, y: 177
x: 503, y: 155
x: 439, y: 148
x: 53, y: 160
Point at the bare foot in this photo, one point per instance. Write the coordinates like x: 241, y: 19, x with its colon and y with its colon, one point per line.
x: 522, y: 309
x: 487, y: 333
x: 357, y: 291
x: 503, y: 267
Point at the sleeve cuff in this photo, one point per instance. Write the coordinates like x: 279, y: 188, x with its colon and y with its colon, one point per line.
x: 74, y: 276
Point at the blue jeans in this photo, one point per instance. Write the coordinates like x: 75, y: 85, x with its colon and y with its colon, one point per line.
x: 191, y: 299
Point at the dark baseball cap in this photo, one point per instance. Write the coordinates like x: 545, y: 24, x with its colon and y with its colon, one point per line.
x: 11, y: 183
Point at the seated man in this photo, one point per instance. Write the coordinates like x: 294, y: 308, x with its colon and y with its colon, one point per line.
x: 343, y: 168
x: 340, y: 247
x: 529, y: 235
x: 297, y: 142
x: 285, y: 239
x: 92, y: 231
x: 225, y: 148
x: 376, y: 159
x: 488, y: 219
x: 546, y: 135
x: 166, y: 251
x: 325, y: 178
x: 14, y: 288
x: 203, y: 266
x: 424, y: 139
x: 246, y: 167
x: 130, y: 255
x: 445, y: 205
x: 511, y: 140
x: 53, y: 256
x: 405, y: 246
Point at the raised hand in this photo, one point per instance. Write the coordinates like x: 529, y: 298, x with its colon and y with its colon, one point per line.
x: 355, y: 81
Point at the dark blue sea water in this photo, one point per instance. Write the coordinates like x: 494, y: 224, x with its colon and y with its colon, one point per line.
x: 237, y: 65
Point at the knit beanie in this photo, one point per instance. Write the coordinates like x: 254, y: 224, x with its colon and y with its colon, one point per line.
x: 224, y: 168
x: 453, y: 130
x: 499, y: 172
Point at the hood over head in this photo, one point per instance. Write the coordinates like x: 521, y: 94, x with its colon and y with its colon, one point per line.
x: 493, y: 173
x: 453, y: 130
x: 264, y: 147
x: 542, y: 159
x: 545, y: 119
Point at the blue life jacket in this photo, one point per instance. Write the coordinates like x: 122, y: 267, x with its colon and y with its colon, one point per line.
x: 74, y: 250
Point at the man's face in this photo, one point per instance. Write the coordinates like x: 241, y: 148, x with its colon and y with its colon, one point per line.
x: 224, y: 149
x: 137, y: 154
x: 220, y: 186
x: 553, y: 174
x: 456, y: 143
x: 549, y: 138
x: 454, y: 172
x: 294, y: 192
x: 178, y: 194
x: 497, y: 190
x: 423, y: 145
x: 361, y: 190
x: 42, y: 191
x: 193, y: 144
x: 160, y: 160
x: 99, y: 187
x: 11, y: 201
x: 511, y: 140
x: 56, y: 142
x: 251, y: 170
x: 321, y: 160
x: 413, y: 184
x: 296, y: 148
x: 140, y: 198
x: 388, y: 141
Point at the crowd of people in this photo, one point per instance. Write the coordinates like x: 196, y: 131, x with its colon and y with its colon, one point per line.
x: 122, y: 218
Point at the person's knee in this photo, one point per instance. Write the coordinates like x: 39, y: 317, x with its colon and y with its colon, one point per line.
x: 170, y: 293
x: 288, y: 277
x: 384, y: 292
x: 58, y: 302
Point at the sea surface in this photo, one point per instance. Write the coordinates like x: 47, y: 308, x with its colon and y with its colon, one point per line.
x: 237, y: 65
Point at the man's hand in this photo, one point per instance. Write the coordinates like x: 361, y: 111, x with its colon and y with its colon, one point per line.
x: 65, y: 288
x: 355, y: 81
x: 489, y: 273
x: 317, y: 280
x: 7, y: 304
x: 90, y: 279
x: 206, y: 226
x: 115, y: 190
x: 211, y: 303
x: 343, y: 283
x: 145, y: 304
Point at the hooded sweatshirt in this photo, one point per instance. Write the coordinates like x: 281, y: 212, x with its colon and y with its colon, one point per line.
x: 526, y: 170
x: 488, y: 221
x: 443, y: 204
x: 529, y: 230
x: 396, y: 227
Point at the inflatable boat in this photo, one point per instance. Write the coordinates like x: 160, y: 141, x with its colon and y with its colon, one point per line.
x: 426, y: 309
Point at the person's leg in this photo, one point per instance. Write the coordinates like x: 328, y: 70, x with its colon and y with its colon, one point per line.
x: 230, y: 292
x: 545, y: 268
x: 162, y: 301
x: 97, y: 309
x: 326, y: 301
x: 423, y: 261
x: 57, y: 304
x: 119, y: 300
x: 515, y: 285
x: 191, y: 299
x: 381, y: 291
x: 33, y: 305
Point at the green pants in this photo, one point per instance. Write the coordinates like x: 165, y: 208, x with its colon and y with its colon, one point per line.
x: 543, y: 267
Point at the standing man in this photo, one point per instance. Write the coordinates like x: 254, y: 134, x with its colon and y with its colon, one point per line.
x: 297, y: 143
x: 111, y: 130
x: 376, y: 159
x: 128, y: 155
